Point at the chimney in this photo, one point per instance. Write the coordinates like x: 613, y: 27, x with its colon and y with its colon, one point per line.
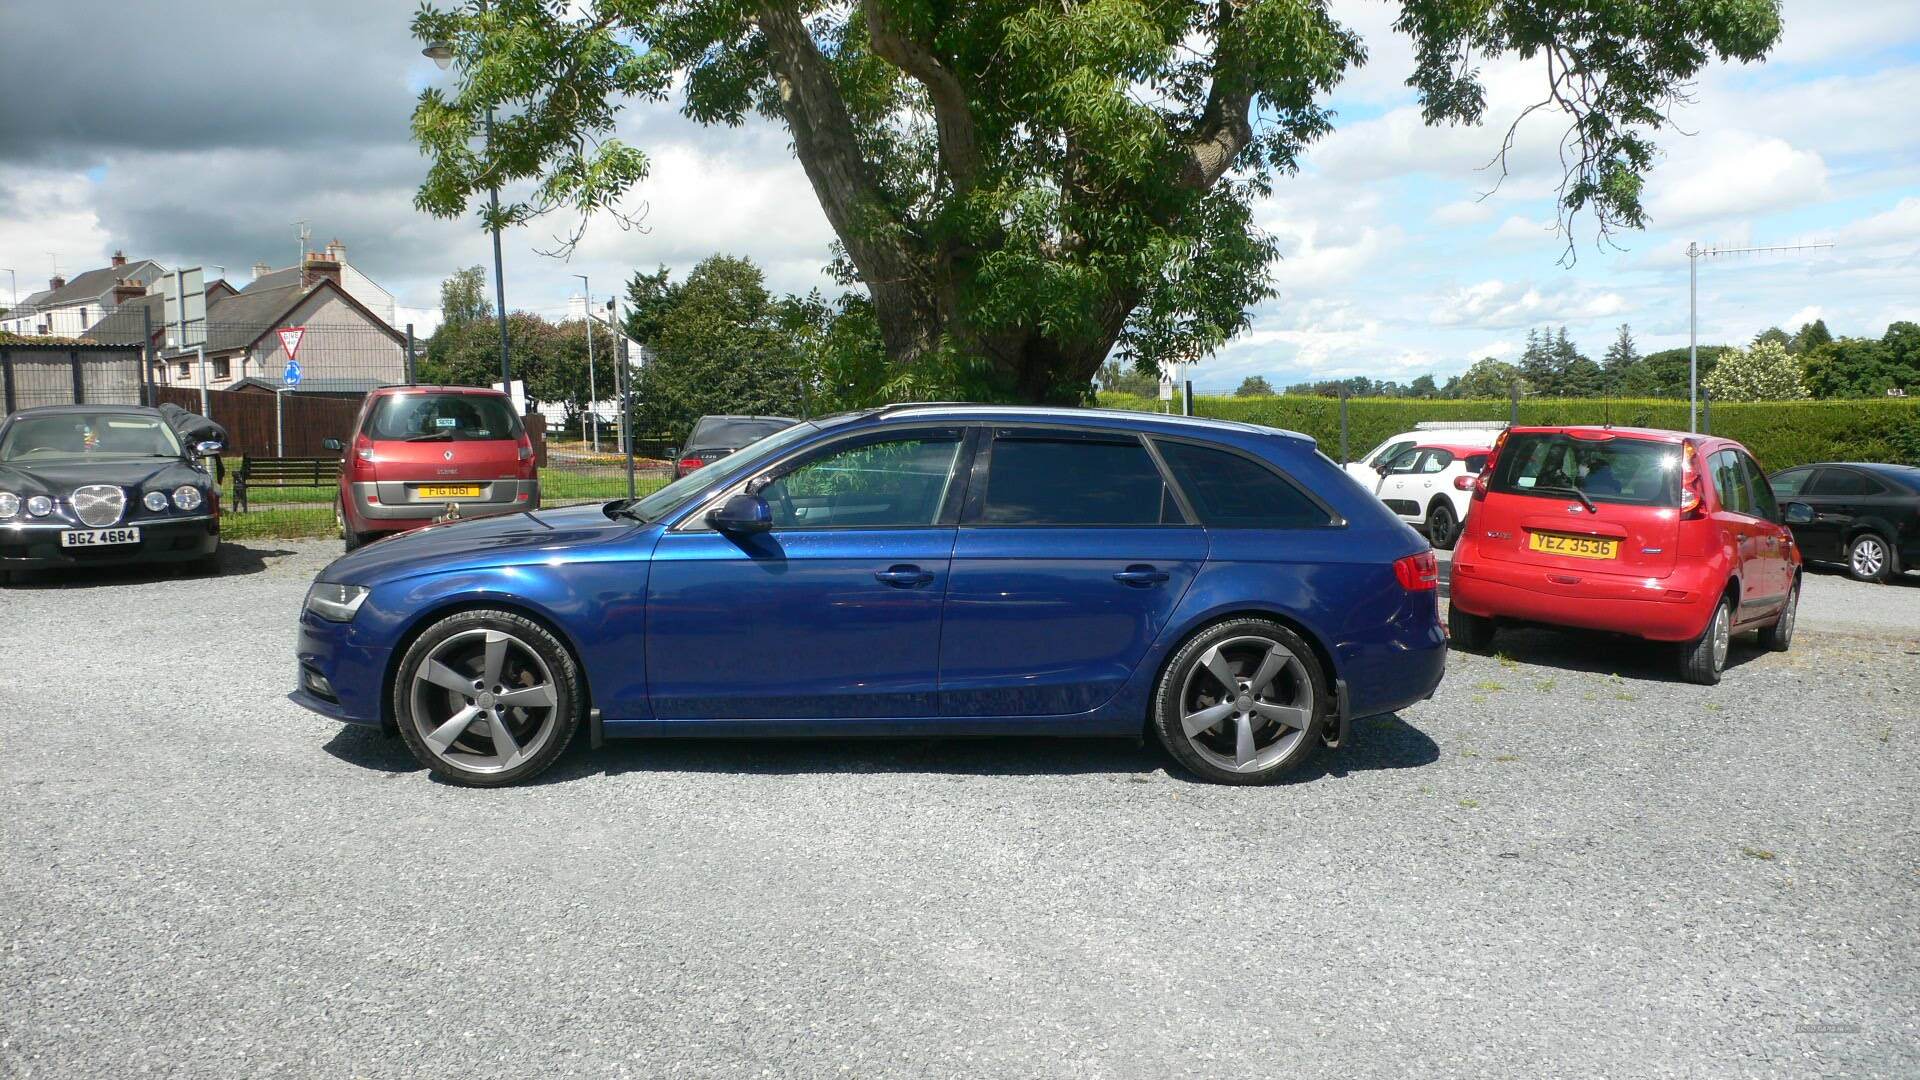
x: 119, y: 258
x: 56, y: 282
x: 124, y: 290
x: 336, y: 250
x: 319, y: 268
x: 261, y: 270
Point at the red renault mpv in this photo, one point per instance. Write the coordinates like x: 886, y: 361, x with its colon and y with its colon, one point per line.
x: 1658, y: 534
x: 426, y: 452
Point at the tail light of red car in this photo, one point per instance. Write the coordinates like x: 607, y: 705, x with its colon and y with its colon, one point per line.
x: 1419, y: 572
x: 525, y: 455
x: 1486, y: 471
x: 1692, y: 494
x: 362, y: 460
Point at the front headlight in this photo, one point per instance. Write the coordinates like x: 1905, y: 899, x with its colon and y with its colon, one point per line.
x: 334, y: 602
x: 186, y: 497
x: 156, y: 501
x: 9, y: 504
x: 39, y: 506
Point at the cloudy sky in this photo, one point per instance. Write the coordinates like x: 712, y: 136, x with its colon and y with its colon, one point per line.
x: 214, y: 126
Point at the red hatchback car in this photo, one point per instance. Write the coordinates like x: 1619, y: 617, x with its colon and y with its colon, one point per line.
x: 1658, y: 534
x: 426, y: 452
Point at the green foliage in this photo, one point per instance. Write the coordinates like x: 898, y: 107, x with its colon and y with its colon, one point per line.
x: 1864, y: 367
x: 1772, y: 335
x: 1254, y: 386
x: 1809, y: 337
x: 1780, y: 434
x: 1115, y: 377
x: 1762, y: 373
x: 719, y: 346
x: 1488, y: 378
x: 463, y: 297
x: 1022, y: 187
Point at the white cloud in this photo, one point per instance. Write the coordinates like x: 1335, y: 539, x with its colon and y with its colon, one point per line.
x: 1728, y: 173
x: 1462, y: 212
x: 1496, y: 303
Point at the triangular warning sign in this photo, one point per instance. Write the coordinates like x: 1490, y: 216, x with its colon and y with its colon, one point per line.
x: 290, y: 340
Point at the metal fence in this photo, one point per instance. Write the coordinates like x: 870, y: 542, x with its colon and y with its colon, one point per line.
x: 239, y: 378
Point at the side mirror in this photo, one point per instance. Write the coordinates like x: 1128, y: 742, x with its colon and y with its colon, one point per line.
x: 334, y: 445
x: 1381, y: 468
x: 742, y: 514
x: 208, y: 447
x: 1798, y: 513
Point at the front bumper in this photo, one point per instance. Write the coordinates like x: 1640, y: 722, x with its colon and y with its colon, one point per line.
x: 1673, y: 608
x: 35, y: 545
x: 354, y: 675
x: 397, y: 508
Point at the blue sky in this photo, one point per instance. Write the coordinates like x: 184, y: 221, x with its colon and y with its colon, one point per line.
x: 1394, y: 265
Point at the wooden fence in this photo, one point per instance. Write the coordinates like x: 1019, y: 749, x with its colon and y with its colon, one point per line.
x: 304, y: 422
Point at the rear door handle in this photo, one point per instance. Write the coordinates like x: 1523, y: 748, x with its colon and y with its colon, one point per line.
x: 1141, y: 575
x: 905, y: 576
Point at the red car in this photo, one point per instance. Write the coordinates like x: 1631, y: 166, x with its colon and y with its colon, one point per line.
x: 422, y: 453
x: 1658, y: 534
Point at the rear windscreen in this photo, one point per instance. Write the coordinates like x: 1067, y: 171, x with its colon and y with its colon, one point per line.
x: 734, y: 432
x: 1638, y: 472
x: 442, y: 417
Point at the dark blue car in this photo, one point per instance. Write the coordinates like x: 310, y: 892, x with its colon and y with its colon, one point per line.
x: 915, y: 570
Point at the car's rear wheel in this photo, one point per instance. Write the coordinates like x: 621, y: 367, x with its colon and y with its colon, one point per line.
x: 1467, y: 631
x: 1705, y: 658
x: 487, y: 698
x: 348, y: 538
x: 1870, y: 558
x: 1779, y: 636
x: 1443, y: 528
x: 1241, y: 702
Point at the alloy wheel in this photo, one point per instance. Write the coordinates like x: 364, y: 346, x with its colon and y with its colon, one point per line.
x: 1869, y: 557
x: 483, y: 701
x: 1246, y: 704
x: 1722, y: 636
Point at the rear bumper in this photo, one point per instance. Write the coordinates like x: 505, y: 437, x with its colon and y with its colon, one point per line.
x: 36, y: 545
x: 1673, y: 608
x: 390, y: 513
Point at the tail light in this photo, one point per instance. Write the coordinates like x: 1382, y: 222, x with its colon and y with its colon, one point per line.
x: 688, y: 464
x: 1692, y: 495
x: 1418, y: 573
x: 362, y: 460
x: 1463, y: 482
x: 524, y: 453
x: 1486, y: 471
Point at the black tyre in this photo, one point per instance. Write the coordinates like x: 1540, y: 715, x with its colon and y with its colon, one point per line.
x: 1779, y: 636
x: 1703, y: 659
x: 1242, y: 702
x: 1871, y: 558
x: 1443, y: 527
x: 348, y: 538
x: 487, y: 698
x: 1467, y: 631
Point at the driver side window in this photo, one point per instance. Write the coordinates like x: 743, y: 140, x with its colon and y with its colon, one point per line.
x: 1403, y: 461
x: 899, y: 482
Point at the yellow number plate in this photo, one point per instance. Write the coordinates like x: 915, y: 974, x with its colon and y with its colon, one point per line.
x: 449, y: 491
x: 1580, y: 547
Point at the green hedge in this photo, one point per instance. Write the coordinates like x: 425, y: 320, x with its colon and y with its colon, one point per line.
x: 1780, y: 433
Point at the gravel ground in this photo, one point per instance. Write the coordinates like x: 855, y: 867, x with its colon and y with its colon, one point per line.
x: 1566, y: 864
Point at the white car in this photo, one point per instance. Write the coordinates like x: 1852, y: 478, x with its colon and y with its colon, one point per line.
x: 1480, y: 433
x: 1430, y: 485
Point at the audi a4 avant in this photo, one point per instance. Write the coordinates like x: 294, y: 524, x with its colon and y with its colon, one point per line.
x: 908, y: 571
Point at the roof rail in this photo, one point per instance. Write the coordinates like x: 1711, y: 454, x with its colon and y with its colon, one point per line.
x: 899, y: 406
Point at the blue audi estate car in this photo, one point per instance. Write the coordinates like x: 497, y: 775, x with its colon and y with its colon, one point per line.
x: 915, y: 570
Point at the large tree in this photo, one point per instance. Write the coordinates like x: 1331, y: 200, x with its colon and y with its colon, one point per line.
x: 1023, y: 186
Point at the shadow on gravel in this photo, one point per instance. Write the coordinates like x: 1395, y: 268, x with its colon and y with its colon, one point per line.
x: 1908, y: 580
x: 235, y: 560
x: 1607, y: 654
x: 1380, y: 742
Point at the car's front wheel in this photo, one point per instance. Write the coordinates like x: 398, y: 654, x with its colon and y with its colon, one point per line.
x: 1779, y: 636
x: 487, y: 698
x: 1871, y: 558
x: 1241, y: 702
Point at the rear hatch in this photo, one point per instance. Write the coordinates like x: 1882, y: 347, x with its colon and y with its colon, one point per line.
x: 441, y: 445
x: 1584, y: 500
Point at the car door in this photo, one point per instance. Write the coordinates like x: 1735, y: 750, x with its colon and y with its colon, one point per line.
x: 1367, y: 469
x: 1071, y: 555
x: 833, y: 612
x: 1399, y: 486
x: 1735, y: 518
x: 1790, y: 486
x: 1774, y: 543
x: 1840, y: 497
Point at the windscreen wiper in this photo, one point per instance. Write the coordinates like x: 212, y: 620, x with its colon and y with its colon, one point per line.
x: 1576, y: 493
x: 431, y: 436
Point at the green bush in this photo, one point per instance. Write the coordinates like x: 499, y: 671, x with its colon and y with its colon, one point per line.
x: 1780, y: 433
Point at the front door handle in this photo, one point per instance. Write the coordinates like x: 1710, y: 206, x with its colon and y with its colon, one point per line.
x: 905, y: 576
x: 1141, y: 575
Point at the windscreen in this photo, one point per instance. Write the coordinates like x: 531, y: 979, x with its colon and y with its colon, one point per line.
x: 87, y: 436
x: 442, y: 417
x: 1637, y: 472
x: 734, y: 432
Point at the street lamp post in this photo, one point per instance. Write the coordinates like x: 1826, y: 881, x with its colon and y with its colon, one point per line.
x: 441, y: 53
x: 593, y: 390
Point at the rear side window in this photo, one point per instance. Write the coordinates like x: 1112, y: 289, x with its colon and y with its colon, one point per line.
x: 1788, y: 484
x: 1229, y: 491
x: 1635, y: 472
x: 1035, y: 480
x: 1476, y: 462
x: 1435, y: 461
x: 442, y: 417
x: 1844, y: 484
x: 1731, y: 482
